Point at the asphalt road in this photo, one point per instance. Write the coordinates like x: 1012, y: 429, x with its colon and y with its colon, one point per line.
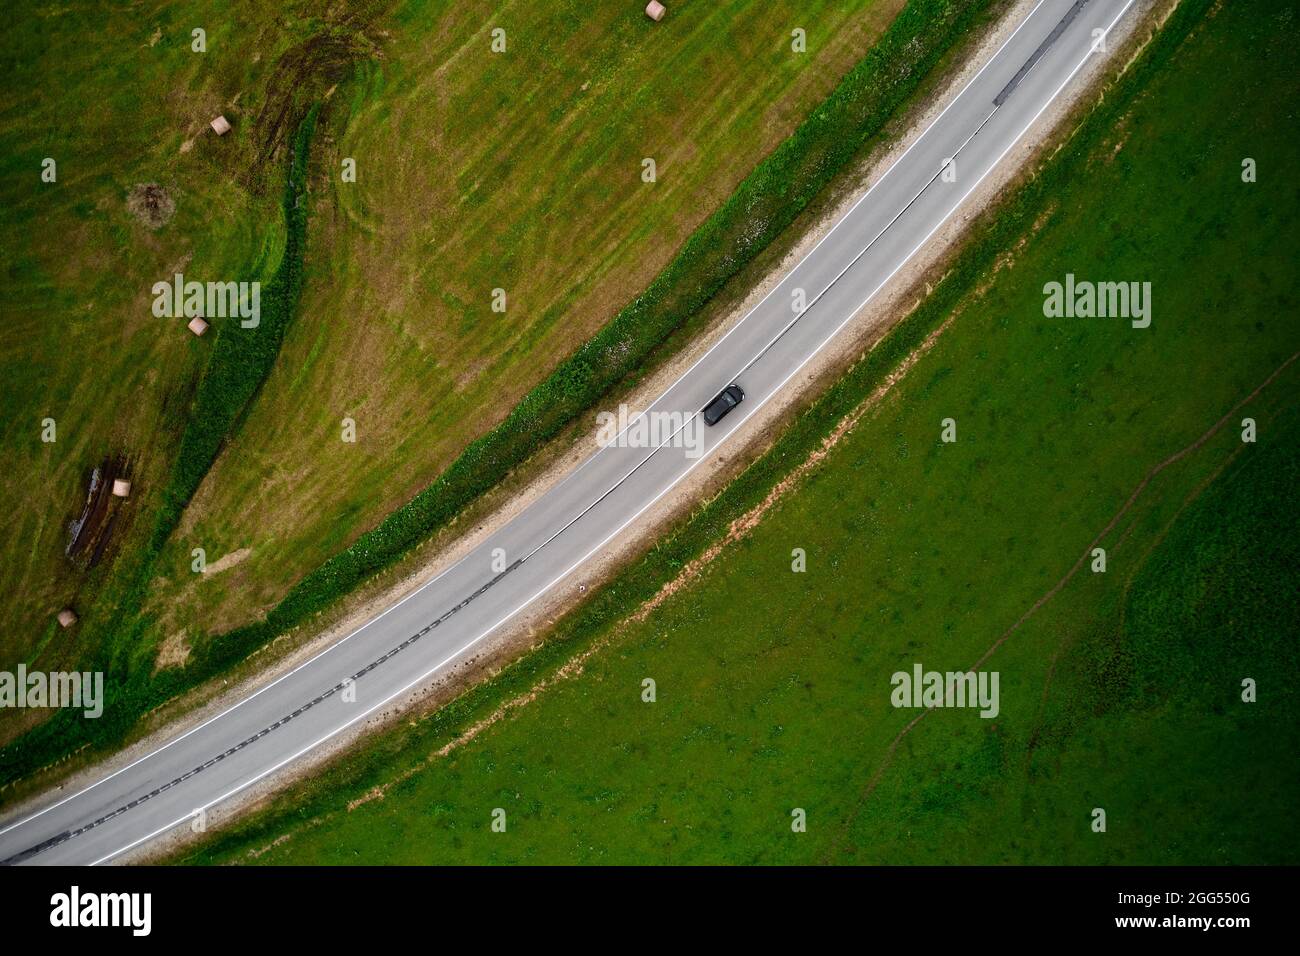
x: 443, y: 621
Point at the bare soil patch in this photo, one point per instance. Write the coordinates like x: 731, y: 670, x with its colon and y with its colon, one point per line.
x: 92, y: 531
x: 151, y: 204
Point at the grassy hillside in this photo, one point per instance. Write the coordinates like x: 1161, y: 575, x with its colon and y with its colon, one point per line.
x: 1119, y: 690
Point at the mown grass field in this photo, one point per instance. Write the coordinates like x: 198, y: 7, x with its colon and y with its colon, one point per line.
x: 475, y: 171
x: 1120, y: 691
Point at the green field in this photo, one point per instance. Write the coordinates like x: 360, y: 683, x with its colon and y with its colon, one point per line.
x: 1118, y: 690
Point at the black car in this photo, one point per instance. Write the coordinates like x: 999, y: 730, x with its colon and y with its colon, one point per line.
x: 727, y: 399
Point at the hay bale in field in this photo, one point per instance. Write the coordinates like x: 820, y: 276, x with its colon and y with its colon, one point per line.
x: 67, y: 617
x: 220, y: 126
x: 121, y: 488
x: 655, y: 10
x: 197, y: 326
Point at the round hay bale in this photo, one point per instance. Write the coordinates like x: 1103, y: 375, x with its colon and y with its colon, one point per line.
x: 220, y: 126
x: 121, y: 488
x: 197, y: 326
x: 67, y: 617
x: 655, y: 10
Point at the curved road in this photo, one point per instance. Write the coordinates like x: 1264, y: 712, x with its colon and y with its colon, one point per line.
x: 438, y: 624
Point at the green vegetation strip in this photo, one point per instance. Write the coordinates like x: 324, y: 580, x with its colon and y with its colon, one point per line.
x: 242, y: 357
x: 408, y: 747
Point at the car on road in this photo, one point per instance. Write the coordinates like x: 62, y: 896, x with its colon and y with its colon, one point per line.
x: 727, y: 399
